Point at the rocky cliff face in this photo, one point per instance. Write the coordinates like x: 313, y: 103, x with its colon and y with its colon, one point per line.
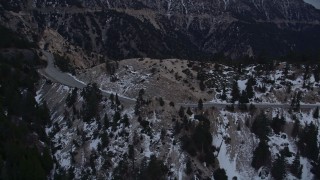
x: 178, y: 28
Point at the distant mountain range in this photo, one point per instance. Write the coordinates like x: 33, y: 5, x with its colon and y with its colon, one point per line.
x: 189, y: 29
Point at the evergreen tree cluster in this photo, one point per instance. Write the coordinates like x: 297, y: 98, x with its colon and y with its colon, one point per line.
x: 261, y: 126
x: 316, y: 73
x: 11, y: 39
x: 72, y: 98
x: 295, y: 102
x: 244, y: 96
x: 261, y: 155
x: 152, y: 168
x: 277, y: 124
x: 235, y: 92
x: 308, y: 142
x: 64, y: 64
x: 111, y: 66
x: 278, y: 170
x: 200, y: 142
x: 280, y: 166
x: 92, y: 97
x: 296, y: 167
x: 22, y: 119
x: 316, y: 113
x: 220, y: 174
x: 200, y: 104
x: 140, y: 102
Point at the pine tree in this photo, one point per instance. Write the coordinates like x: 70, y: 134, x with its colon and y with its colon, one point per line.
x: 125, y: 120
x: 131, y: 152
x: 111, y: 67
x: 104, y: 139
x: 189, y: 167
x: 296, y: 167
x: 177, y: 128
x: 239, y: 126
x: 235, y: 93
x: 277, y: 124
x: 295, y: 129
x: 121, y: 171
x: 249, y: 88
x: 293, y: 101
x: 139, y: 103
x: 131, y: 155
x: 46, y: 160
x: 316, y: 113
x: 308, y: 142
x: 106, y: 121
x: 202, y: 86
x: 171, y: 104
x: 92, y: 96
x: 116, y: 119
x: 252, y: 108
x: 288, y: 89
x: 161, y: 101
x: 202, y: 137
x: 261, y: 155
x: 260, y: 126
x: 316, y: 169
x: 316, y: 73
x: 181, y: 111
x: 71, y: 98
x: 200, y: 104
x: 223, y: 95
x: 220, y: 174
x: 243, y: 99
x: 189, y: 112
x: 111, y: 98
x: 155, y: 169
x: 278, y: 170
x: 118, y: 103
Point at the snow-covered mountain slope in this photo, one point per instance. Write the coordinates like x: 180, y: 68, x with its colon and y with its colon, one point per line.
x: 315, y: 3
x: 188, y: 143
x: 277, y: 82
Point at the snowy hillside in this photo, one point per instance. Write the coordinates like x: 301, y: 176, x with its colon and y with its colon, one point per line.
x: 122, y: 138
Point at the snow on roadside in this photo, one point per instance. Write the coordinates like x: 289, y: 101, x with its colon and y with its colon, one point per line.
x: 146, y: 150
x: 112, y: 92
x: 306, y: 174
x: 94, y: 143
x: 279, y: 142
x: 75, y: 78
x: 226, y: 163
x: 242, y: 84
x: 306, y: 118
x: 182, y: 167
x: 38, y: 96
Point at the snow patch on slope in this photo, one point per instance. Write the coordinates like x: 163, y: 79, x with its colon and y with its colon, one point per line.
x: 226, y: 163
x: 315, y: 3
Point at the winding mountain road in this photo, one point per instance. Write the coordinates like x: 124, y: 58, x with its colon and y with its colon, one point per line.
x: 52, y: 73
x: 257, y: 105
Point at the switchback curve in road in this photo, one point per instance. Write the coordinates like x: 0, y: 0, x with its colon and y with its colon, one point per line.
x: 52, y: 73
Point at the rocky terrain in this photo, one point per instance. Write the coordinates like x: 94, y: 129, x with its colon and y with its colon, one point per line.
x: 170, y: 29
x: 166, y: 129
x: 168, y: 89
